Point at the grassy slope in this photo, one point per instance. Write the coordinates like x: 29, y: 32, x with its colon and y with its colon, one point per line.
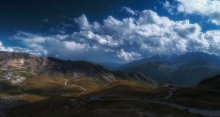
x: 36, y: 88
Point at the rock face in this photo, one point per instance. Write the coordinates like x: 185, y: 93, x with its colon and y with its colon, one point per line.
x: 19, y: 61
x: 38, y: 65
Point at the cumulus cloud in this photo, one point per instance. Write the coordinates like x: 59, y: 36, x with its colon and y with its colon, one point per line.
x: 207, y: 8
x: 122, y: 40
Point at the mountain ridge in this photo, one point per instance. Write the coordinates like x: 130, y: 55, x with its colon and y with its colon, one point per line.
x: 52, y: 66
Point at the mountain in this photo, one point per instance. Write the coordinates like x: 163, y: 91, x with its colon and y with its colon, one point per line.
x: 186, y: 69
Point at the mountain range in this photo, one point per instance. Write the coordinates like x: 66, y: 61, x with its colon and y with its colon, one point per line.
x: 186, y: 70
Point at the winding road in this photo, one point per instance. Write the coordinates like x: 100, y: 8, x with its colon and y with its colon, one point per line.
x: 81, y: 87
x: 65, y: 81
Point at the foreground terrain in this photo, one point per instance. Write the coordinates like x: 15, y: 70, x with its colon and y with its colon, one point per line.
x: 121, y: 98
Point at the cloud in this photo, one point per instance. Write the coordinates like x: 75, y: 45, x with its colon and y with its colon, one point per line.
x: 17, y: 49
x: 205, y: 8
x: 130, y: 11
x: 213, y: 40
x: 3, y: 48
x: 128, y: 56
x: 170, y: 8
x: 123, y: 40
x: 83, y: 22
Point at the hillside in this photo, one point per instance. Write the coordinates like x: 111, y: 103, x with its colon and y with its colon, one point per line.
x: 206, y: 95
x: 211, y: 83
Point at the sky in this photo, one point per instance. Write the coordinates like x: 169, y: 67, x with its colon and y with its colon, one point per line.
x: 116, y: 31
